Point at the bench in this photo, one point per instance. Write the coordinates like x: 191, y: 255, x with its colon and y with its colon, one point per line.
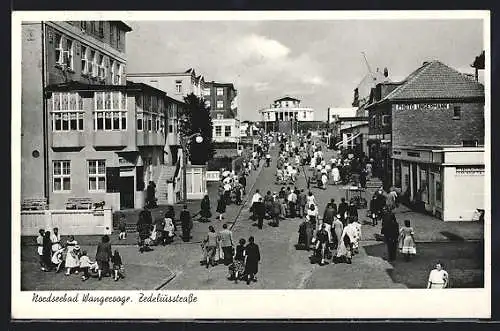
x: 79, y: 203
x: 34, y: 204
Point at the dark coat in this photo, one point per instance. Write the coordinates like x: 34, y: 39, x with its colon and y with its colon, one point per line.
x: 186, y: 221
x: 205, y: 208
x: 253, y: 258
x: 343, y: 208
x: 276, y: 208
x: 259, y: 209
x: 221, y: 206
x: 243, y: 181
x: 103, y: 252
x: 390, y: 227
x: 352, y: 211
x: 329, y: 215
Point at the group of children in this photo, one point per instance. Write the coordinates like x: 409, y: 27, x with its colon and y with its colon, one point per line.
x: 55, y: 256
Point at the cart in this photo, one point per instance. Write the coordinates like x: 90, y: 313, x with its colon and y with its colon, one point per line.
x: 356, y: 195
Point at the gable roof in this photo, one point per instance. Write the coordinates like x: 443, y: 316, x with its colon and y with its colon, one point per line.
x: 286, y: 97
x: 435, y: 80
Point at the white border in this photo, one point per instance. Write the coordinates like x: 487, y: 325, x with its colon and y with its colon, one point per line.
x: 319, y: 304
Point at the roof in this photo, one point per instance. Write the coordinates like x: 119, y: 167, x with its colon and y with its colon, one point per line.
x: 77, y: 86
x: 286, y: 97
x: 122, y: 25
x: 435, y: 80
x: 142, y: 86
x: 370, y: 80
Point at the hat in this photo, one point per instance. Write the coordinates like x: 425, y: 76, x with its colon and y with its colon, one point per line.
x: 76, y: 248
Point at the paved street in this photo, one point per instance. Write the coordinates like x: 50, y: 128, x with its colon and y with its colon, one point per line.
x: 283, y: 266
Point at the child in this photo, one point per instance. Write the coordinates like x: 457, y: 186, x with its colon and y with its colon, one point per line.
x: 39, y: 242
x: 122, y: 227
x: 57, y: 259
x: 117, y: 265
x: 86, y: 265
x: 71, y: 256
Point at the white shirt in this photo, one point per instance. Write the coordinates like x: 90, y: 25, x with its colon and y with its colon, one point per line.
x: 256, y: 197
x: 85, y: 262
x: 438, y: 276
x: 227, y: 187
x: 311, y: 200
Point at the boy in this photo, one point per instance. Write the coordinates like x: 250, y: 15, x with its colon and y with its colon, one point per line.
x: 122, y: 227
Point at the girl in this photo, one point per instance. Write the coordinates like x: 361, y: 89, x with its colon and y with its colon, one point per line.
x: 116, y: 259
x: 85, y: 265
x: 221, y: 207
x: 71, y: 256
x: 407, y: 241
x: 57, y: 259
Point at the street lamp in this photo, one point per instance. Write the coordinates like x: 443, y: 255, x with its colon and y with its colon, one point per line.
x: 184, y: 144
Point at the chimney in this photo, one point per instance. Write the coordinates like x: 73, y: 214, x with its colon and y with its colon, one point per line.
x: 386, y: 72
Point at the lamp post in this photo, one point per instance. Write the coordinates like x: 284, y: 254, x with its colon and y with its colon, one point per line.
x: 185, y: 151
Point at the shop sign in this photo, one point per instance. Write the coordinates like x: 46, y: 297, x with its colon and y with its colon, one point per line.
x: 470, y: 171
x: 422, y: 106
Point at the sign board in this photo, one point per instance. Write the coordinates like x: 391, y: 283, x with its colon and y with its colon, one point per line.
x: 422, y: 106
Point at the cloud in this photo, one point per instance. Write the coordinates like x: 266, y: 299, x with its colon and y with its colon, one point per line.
x: 261, y: 47
x: 314, y: 80
x: 261, y: 86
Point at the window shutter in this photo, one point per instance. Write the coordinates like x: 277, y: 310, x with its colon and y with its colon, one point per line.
x: 112, y: 179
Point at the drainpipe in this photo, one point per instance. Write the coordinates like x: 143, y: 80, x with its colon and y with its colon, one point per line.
x: 44, y: 122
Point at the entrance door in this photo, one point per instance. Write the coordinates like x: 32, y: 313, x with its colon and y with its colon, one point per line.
x: 127, y: 192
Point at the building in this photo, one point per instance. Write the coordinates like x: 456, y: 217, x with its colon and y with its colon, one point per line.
x: 71, y: 53
x: 428, y: 133
x: 334, y: 113
x: 222, y: 99
x: 177, y: 85
x: 284, y: 114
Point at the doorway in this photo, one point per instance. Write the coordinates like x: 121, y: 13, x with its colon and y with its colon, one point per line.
x: 127, y: 192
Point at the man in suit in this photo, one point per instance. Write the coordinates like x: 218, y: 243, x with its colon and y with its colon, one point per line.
x: 252, y: 260
x: 226, y: 244
x: 186, y: 224
x: 260, y: 212
x: 343, y: 206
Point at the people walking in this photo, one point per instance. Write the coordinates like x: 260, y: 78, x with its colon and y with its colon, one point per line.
x: 344, y: 249
x: 390, y: 230
x: 252, y: 260
x: 221, y: 207
x: 186, y: 224
x: 276, y: 212
x: 438, y: 277
x: 322, y: 239
x: 102, y: 257
x: 407, y: 240
x: 205, y: 211
x: 237, y: 268
x: 210, y: 246
x: 116, y: 259
x: 292, y: 203
x: 259, y: 212
x: 342, y: 210
x: 226, y: 244
x: 337, y: 230
x: 329, y: 214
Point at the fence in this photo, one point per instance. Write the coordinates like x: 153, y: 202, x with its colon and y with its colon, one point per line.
x: 213, y: 176
x: 69, y: 222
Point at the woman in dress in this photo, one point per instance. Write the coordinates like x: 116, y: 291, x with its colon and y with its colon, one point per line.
x: 55, y: 237
x: 438, y: 278
x: 210, y: 243
x: 47, y: 251
x: 221, y: 207
x: 252, y: 259
x: 169, y: 230
x: 205, y: 212
x: 103, y: 256
x: 72, y: 259
x: 237, y: 268
x: 407, y: 241
x: 311, y: 200
x: 344, y: 250
x: 337, y: 228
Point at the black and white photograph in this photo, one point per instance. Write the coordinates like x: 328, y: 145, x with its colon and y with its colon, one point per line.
x: 167, y: 158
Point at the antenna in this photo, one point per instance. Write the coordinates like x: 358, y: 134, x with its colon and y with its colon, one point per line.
x: 367, y: 64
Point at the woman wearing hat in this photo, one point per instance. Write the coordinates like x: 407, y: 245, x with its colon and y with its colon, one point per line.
x: 72, y: 258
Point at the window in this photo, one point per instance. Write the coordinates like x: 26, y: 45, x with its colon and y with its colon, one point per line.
x: 85, y: 61
x: 116, y: 72
x: 100, y: 25
x: 112, y: 35
x: 110, y: 111
x: 178, y: 86
x: 220, y: 91
x: 93, y: 61
x: 67, y: 112
x: 220, y: 104
x: 140, y: 121
x: 83, y: 26
x: 218, y: 130
x: 170, y: 128
x: 220, y: 116
x: 64, y: 51
x: 457, y: 113
x: 97, y: 175
x: 118, y: 39
x: 305, y: 115
x: 208, y: 104
x: 470, y: 143
x: 227, y: 131
x: 206, y: 91
x: 92, y: 27
x: 61, y: 176
x: 386, y: 120
x: 102, y: 66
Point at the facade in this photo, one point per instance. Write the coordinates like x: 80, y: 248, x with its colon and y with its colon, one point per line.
x: 109, y: 147
x: 54, y: 53
x: 334, y: 113
x: 284, y: 114
x: 177, y: 85
x: 428, y: 133
x: 222, y: 99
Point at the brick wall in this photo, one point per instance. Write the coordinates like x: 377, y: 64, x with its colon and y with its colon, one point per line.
x: 438, y: 127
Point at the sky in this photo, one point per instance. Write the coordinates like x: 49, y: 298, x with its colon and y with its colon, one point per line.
x: 318, y: 62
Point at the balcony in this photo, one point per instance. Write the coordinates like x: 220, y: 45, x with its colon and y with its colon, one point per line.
x: 150, y: 139
x: 68, y: 139
x: 110, y: 139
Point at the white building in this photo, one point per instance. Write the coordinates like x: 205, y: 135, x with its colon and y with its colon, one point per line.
x: 287, y: 109
x: 334, y: 113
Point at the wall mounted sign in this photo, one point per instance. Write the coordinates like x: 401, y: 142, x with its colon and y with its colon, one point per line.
x: 470, y: 171
x: 422, y: 106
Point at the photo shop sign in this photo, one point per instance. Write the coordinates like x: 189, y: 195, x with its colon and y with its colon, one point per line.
x: 422, y: 106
